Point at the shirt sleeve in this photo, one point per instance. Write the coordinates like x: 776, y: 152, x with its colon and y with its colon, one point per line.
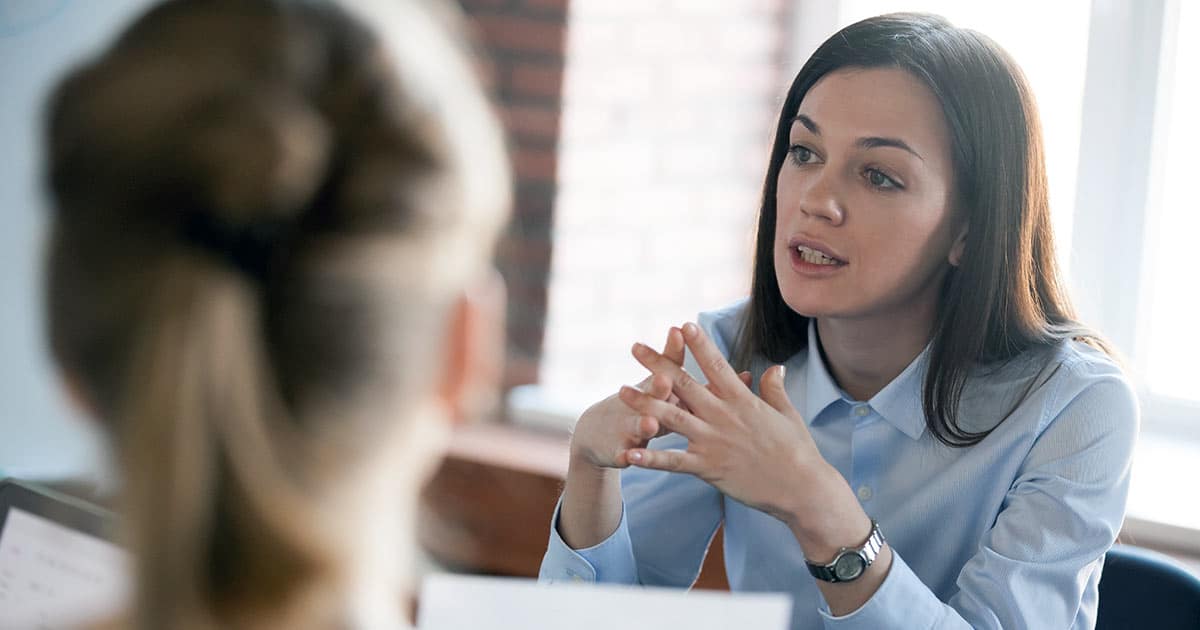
x: 667, y: 522
x: 1039, y: 564
x: 610, y: 561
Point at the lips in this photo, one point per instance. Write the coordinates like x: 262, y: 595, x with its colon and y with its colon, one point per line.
x: 815, y: 252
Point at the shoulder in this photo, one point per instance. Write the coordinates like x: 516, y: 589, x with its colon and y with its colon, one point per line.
x: 1084, y: 417
x: 1067, y: 386
x: 1087, y: 389
x: 1084, y: 370
x: 723, y: 325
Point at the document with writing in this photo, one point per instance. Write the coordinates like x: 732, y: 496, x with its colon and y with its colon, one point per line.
x: 452, y: 602
x: 53, y: 576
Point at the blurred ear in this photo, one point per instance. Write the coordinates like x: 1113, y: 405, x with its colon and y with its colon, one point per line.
x: 76, y: 395
x: 474, y: 351
x: 956, y: 250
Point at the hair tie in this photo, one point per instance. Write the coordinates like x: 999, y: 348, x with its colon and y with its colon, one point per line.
x: 250, y: 248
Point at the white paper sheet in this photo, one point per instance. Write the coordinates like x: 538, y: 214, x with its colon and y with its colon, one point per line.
x: 452, y: 602
x: 53, y: 577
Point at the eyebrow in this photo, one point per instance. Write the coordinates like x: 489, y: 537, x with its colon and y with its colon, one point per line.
x: 865, y: 143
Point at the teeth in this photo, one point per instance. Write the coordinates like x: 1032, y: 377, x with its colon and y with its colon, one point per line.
x: 813, y: 256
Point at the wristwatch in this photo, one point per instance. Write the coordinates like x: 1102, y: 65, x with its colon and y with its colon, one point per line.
x: 850, y: 562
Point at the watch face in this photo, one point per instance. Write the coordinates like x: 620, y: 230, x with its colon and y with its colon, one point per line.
x: 849, y: 566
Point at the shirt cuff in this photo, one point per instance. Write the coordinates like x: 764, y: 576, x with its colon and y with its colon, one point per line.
x: 901, y: 601
x: 610, y: 561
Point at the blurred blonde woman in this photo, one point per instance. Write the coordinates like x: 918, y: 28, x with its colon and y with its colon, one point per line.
x: 269, y: 277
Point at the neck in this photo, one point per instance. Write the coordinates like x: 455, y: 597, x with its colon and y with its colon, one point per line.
x: 380, y: 525
x: 865, y: 354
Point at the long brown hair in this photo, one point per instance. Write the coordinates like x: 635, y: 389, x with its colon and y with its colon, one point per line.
x: 1007, y: 296
x: 262, y: 212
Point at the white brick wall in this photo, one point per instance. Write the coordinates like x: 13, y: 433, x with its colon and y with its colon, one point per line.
x: 668, y: 109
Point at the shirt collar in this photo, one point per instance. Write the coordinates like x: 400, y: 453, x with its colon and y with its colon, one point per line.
x: 899, y: 402
x: 820, y: 390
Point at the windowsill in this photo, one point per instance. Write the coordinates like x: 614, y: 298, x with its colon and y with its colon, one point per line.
x: 1159, y: 516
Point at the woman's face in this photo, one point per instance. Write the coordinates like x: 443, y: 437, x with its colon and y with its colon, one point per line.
x: 864, y: 223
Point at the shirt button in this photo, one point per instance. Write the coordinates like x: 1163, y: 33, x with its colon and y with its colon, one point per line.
x: 862, y: 410
x: 864, y: 493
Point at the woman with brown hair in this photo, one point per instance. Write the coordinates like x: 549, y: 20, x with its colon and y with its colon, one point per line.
x: 269, y: 277
x: 948, y: 447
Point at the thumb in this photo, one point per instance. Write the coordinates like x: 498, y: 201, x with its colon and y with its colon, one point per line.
x: 773, y: 392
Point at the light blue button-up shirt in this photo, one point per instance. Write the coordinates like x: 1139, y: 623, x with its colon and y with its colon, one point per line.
x: 1009, y: 533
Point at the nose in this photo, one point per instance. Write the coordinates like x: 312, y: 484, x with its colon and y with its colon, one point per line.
x: 819, y: 198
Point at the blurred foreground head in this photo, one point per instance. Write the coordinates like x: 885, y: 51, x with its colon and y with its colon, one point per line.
x: 269, y: 277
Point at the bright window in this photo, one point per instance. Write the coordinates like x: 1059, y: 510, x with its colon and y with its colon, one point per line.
x: 1172, y: 345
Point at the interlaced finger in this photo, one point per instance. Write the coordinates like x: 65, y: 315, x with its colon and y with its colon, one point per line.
x: 721, y: 376
x: 694, y: 395
x: 669, y: 416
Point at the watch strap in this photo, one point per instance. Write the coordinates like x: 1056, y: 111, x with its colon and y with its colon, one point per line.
x: 868, y: 552
x: 822, y: 572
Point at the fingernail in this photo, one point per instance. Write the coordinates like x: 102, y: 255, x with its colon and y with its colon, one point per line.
x: 639, y: 348
x: 689, y: 330
x: 635, y: 456
x: 782, y: 372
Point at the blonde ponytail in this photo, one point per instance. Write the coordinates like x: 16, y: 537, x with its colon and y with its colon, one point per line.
x: 249, y: 274
x: 219, y: 527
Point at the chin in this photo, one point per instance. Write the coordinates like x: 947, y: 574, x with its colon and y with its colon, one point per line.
x: 808, y: 305
x: 806, y: 296
x: 814, y: 305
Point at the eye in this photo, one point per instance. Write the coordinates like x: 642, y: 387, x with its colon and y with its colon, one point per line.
x: 801, y: 154
x: 881, y: 181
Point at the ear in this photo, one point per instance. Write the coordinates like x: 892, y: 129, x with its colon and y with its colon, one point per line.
x: 76, y: 395
x: 956, y: 250
x: 473, y: 351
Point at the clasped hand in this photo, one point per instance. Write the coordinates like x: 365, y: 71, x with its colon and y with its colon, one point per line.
x: 754, y: 449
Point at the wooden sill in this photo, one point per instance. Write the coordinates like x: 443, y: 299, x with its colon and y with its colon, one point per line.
x: 488, y: 509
